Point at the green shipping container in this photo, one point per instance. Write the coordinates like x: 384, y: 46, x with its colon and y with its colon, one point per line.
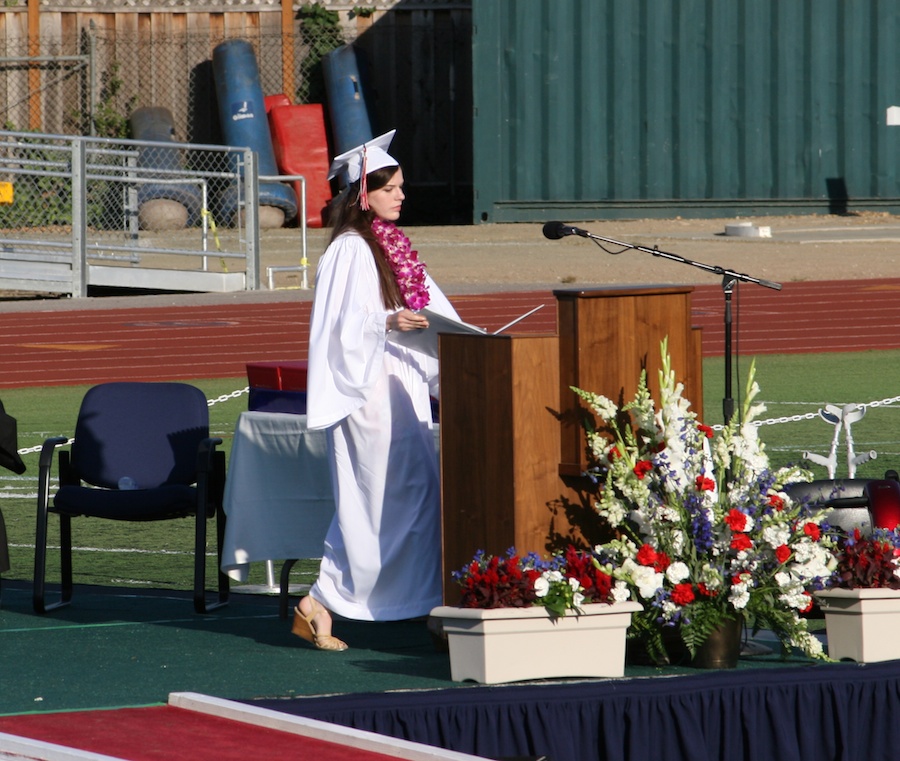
x: 599, y: 109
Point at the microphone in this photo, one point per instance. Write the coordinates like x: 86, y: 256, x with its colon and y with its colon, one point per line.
x: 557, y: 230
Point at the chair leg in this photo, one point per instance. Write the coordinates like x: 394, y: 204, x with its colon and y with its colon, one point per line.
x: 39, y: 594
x: 285, y: 587
x: 211, y: 490
x: 200, y: 593
x: 39, y: 602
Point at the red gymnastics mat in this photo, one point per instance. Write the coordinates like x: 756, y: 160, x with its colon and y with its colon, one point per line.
x: 201, y: 728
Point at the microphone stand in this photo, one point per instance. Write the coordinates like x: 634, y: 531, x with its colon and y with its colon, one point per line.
x: 729, y: 279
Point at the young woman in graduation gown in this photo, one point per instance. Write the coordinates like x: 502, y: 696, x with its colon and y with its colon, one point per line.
x: 381, y: 559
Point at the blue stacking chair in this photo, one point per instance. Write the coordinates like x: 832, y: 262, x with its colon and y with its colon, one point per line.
x: 142, y: 452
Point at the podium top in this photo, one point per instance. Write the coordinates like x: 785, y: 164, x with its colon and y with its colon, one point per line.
x: 607, y: 291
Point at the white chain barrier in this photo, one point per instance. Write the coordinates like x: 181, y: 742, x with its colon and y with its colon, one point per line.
x: 226, y: 397
x: 717, y: 427
x: 810, y: 415
x: 209, y: 403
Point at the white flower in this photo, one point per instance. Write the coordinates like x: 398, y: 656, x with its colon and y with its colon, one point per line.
x: 739, y: 595
x: 678, y: 541
x: 775, y: 536
x: 620, y: 592
x: 647, y: 581
x: 602, y: 406
x: 541, y: 586
x: 808, y: 643
x: 711, y: 578
x: 794, y: 598
x: 677, y: 572
x: 669, y: 610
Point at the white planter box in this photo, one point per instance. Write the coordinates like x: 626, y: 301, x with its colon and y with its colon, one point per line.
x: 512, y: 644
x: 862, y: 624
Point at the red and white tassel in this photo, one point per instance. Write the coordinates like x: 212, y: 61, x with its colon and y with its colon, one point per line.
x: 363, y: 185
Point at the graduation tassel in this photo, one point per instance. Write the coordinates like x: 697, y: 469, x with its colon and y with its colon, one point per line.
x: 363, y: 185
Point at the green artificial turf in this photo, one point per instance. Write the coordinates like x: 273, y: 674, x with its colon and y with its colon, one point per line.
x: 159, y: 555
x: 798, y: 386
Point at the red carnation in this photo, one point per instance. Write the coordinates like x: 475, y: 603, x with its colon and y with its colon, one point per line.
x: 683, y: 594
x: 741, y: 542
x: 642, y: 468
x: 646, y: 555
x: 812, y: 531
x: 705, y: 430
x: 782, y: 553
x: 736, y: 520
x: 705, y: 483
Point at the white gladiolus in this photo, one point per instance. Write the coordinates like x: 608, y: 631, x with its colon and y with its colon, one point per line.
x: 620, y: 592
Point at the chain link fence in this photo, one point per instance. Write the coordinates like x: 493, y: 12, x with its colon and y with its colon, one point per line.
x: 89, y: 83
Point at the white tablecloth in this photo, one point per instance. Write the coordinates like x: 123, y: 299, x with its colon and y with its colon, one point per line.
x: 278, y: 496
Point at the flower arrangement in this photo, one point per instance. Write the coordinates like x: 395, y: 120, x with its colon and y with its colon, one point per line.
x: 564, y: 582
x: 704, y: 530
x: 869, y: 562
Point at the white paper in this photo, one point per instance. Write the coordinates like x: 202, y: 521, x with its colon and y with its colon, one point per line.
x: 425, y: 340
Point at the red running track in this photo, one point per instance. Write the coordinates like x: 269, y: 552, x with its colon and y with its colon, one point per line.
x: 217, y: 341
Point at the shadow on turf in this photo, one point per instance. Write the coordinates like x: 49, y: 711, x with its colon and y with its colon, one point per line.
x: 254, y: 617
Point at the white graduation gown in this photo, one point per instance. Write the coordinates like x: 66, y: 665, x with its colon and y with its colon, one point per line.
x: 381, y: 559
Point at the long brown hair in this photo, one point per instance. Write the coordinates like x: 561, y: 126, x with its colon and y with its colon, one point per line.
x: 347, y: 215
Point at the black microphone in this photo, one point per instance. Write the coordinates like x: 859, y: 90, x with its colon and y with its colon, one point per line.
x: 557, y: 230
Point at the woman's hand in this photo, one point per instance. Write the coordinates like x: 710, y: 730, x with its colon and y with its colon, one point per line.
x: 406, y: 320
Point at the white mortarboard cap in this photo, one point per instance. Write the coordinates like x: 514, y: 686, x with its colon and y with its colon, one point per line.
x: 374, y: 152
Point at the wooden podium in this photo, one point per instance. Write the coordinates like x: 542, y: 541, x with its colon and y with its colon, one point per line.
x: 607, y: 336
x: 511, y: 437
x: 499, y: 445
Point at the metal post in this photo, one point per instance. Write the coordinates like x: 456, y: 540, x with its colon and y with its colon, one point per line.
x: 251, y: 214
x: 78, y: 176
x: 131, y: 199
x: 92, y: 77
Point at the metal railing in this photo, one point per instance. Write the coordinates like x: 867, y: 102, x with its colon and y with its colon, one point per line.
x: 94, y: 211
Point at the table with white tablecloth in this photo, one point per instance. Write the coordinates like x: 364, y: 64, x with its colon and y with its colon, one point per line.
x: 278, y: 496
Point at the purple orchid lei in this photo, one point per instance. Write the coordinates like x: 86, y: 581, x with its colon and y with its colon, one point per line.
x: 408, y: 270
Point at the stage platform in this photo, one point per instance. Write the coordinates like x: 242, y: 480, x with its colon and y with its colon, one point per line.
x: 116, y: 648
x: 809, y: 712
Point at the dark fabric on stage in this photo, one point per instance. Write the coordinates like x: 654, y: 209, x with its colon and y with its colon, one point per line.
x: 4, y: 547
x: 9, y: 455
x: 814, y: 712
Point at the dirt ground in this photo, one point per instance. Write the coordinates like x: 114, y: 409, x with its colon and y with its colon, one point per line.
x: 480, y: 258
x: 486, y: 258
x: 800, y: 248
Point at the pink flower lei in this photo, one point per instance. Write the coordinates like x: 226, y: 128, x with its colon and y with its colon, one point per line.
x: 408, y: 271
